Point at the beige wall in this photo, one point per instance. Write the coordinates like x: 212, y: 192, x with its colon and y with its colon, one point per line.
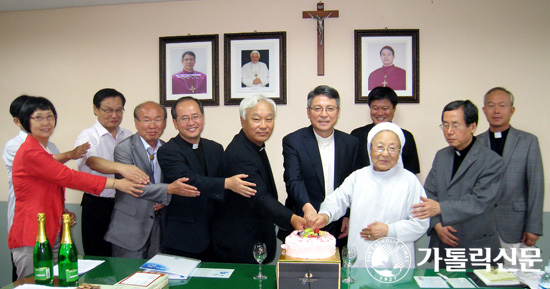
x: 466, y: 47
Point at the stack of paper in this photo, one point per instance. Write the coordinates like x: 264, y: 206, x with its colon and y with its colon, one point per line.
x: 175, y: 266
x: 143, y: 280
x: 138, y: 280
x: 497, y: 278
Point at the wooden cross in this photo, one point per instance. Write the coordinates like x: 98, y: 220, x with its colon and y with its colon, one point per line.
x: 320, y: 15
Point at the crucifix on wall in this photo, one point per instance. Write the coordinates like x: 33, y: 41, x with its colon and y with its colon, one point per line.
x: 320, y: 15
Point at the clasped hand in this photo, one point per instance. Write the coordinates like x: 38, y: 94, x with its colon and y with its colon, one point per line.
x: 374, y: 231
x: 446, y: 235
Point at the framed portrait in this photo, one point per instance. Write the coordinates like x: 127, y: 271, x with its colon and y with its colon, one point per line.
x: 387, y: 57
x: 189, y: 67
x: 255, y: 63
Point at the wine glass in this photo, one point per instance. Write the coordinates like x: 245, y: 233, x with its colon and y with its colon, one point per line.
x: 349, y: 255
x: 260, y: 253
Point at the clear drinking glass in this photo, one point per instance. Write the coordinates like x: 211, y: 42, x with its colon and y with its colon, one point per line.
x: 349, y: 255
x: 260, y: 253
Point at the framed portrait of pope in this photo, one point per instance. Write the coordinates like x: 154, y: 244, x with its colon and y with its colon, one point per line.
x: 189, y: 67
x: 255, y: 63
x: 387, y: 57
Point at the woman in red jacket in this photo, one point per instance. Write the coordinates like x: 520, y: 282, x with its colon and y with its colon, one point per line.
x: 39, y: 184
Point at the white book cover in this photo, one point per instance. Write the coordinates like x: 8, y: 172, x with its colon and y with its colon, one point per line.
x: 177, y: 267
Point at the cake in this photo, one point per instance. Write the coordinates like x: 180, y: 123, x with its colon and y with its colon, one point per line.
x: 310, y: 244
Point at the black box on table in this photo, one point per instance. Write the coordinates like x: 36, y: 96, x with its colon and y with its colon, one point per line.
x: 295, y: 273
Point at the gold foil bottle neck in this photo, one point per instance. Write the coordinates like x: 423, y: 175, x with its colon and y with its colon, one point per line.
x: 66, y: 218
x: 41, y: 236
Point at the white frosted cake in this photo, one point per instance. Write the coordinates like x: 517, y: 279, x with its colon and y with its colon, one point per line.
x: 310, y: 244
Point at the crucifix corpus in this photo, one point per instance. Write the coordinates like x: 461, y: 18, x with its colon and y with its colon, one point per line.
x: 320, y: 15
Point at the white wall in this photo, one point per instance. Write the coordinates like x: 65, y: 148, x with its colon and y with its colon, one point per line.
x: 466, y: 47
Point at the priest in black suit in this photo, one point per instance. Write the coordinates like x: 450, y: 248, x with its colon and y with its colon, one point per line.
x: 189, y: 155
x: 241, y: 222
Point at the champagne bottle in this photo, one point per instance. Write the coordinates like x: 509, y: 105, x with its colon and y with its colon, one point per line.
x: 68, y: 264
x: 42, y: 255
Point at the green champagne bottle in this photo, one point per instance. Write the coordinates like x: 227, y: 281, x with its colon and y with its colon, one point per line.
x: 42, y: 255
x: 68, y: 263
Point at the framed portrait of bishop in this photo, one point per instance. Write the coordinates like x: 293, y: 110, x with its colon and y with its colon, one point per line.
x: 189, y: 67
x: 388, y: 58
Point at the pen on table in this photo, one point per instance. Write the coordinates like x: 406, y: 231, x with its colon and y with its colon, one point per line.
x: 444, y: 278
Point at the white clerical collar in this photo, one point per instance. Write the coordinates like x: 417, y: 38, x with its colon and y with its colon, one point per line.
x: 324, y: 141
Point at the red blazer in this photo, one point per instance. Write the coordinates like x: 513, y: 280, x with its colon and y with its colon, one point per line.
x: 39, y: 183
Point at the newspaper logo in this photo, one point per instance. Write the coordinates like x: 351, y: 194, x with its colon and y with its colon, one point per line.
x: 388, y: 260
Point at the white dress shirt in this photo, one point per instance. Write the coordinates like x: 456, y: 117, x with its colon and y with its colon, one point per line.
x: 326, y: 149
x: 102, y: 144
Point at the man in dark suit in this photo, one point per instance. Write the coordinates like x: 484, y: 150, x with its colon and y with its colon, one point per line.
x: 382, y: 105
x: 317, y: 159
x: 189, y: 155
x: 462, y: 187
x: 519, y: 204
x: 136, y: 224
x: 241, y: 222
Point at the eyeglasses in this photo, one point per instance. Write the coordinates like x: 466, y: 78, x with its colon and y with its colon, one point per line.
x: 185, y: 119
x: 148, y: 121
x: 41, y: 118
x: 454, y: 125
x: 119, y: 111
x: 328, y: 109
x: 391, y: 150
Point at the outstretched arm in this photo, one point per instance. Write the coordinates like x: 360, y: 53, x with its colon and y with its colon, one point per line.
x: 76, y: 153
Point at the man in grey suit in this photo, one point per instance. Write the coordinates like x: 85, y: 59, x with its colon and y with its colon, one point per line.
x: 519, y: 204
x: 136, y: 223
x: 462, y: 187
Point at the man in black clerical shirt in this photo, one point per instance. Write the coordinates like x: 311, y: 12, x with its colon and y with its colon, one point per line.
x: 240, y: 222
x: 382, y: 104
x: 189, y: 155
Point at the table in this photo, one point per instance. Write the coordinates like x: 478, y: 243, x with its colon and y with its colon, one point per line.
x: 116, y: 269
